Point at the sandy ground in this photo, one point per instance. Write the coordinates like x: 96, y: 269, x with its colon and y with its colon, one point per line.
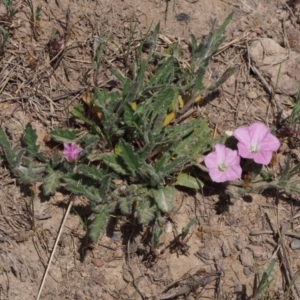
x: 234, y: 240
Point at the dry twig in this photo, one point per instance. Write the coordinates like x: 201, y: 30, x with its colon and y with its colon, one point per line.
x: 72, y: 200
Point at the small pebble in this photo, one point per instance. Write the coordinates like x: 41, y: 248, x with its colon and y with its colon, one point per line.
x: 295, y: 244
x: 116, y: 237
x: 113, y: 246
x: 226, y: 248
x: 168, y: 227
x: 241, y: 244
x: 252, y: 95
x: 247, y: 271
x: 209, y: 254
x: 106, y: 296
x: 98, y: 262
x: 182, y: 17
x: 79, y: 295
x: 246, y: 258
x: 100, y: 279
x: 118, y: 253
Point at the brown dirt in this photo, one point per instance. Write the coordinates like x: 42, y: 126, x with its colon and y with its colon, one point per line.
x: 234, y: 239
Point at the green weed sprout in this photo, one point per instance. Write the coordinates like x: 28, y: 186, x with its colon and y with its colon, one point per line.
x: 156, y: 244
x: 4, y: 37
x: 186, y: 229
x: 295, y: 116
x: 179, y: 244
x: 10, y: 8
x: 294, y: 119
x: 37, y: 14
x: 266, y: 280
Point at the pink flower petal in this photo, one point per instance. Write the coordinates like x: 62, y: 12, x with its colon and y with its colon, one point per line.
x: 235, y: 172
x: 223, y: 156
x: 244, y: 151
x: 217, y: 176
x: 210, y: 160
x: 71, y: 151
x: 67, y: 146
x: 231, y: 157
x: 242, y: 135
x: 257, y: 132
x: 263, y: 157
x: 270, y: 143
x: 220, y: 151
x: 256, y: 142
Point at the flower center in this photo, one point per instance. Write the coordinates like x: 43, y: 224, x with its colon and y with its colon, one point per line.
x: 253, y: 148
x: 222, y: 167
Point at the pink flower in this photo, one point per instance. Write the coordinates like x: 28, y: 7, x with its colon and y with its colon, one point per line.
x: 223, y: 164
x: 71, y: 151
x: 256, y: 142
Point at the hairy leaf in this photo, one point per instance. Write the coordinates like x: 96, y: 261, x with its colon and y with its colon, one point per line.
x: 125, y: 204
x: 161, y: 162
x: 90, y: 191
x: 182, y: 130
x: 149, y: 174
x: 162, y: 104
x: 51, y: 182
x: 115, y: 162
x: 11, y: 157
x: 64, y: 135
x: 29, y: 139
x: 164, y: 198
x: 164, y: 73
x: 105, y: 185
x: 99, y: 223
x: 196, y: 143
x: 176, y: 165
x: 202, y: 54
x: 130, y: 158
x: 28, y: 175
x: 145, y: 212
x: 294, y: 119
x: 78, y: 113
x: 152, y: 41
x: 90, y: 171
x: 189, y: 181
x: 119, y: 75
x: 3, y: 139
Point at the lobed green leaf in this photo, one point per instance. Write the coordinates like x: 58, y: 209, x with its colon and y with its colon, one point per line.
x: 164, y: 198
x: 51, y: 182
x: 129, y: 156
x: 90, y: 171
x: 64, y: 135
x: 114, y: 162
x: 189, y: 181
x: 145, y: 212
x: 30, y: 139
x: 99, y: 223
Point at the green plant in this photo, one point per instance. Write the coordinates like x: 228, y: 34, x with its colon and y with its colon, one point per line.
x: 293, y: 128
x: 9, y: 7
x: 179, y: 244
x: 36, y: 16
x: 292, y: 282
x: 133, y: 157
x: 4, y: 37
x: 266, y: 280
